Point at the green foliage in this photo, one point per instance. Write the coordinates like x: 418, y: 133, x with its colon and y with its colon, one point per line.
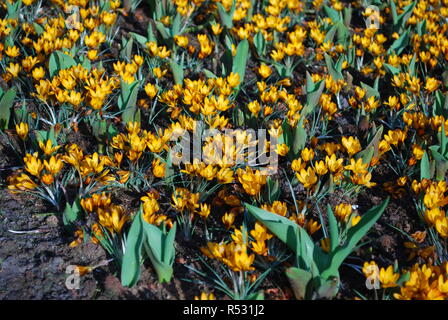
x: 6, y: 104
x: 317, y: 272
x: 60, y: 61
x: 156, y: 242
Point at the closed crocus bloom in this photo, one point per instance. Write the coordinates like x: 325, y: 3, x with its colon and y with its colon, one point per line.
x: 33, y: 165
x: 217, y: 29
x: 13, y: 69
x: 47, y: 147
x: 355, y: 220
x: 158, y: 72
x: 260, y: 232
x: 388, y: 277
x: 307, y: 154
x: 307, y: 177
x: 297, y: 165
x: 38, y: 73
x: 259, y: 247
x: 225, y: 175
x: 393, y: 103
x: 312, y: 226
x: 254, y: 107
x: 357, y: 166
x: 181, y: 41
x: 351, y: 145
x: 417, y: 151
x: 233, y: 79
x: 441, y: 225
x: 363, y: 179
x: 158, y: 169
x: 92, y: 54
x: 252, y: 181
x: 47, y: 178
x: 282, y: 149
x: 370, y: 268
x: 431, y: 84
x: 395, y: 137
x: 334, y: 164
x: 205, y: 296
x: 22, y: 130
x: 151, y: 90
x: 325, y: 244
x: 204, y: 211
x: 343, y: 211
x: 12, y: 52
x: 264, y: 71
x: 320, y: 168
x: 228, y: 219
x: 54, y: 165
x: 241, y: 260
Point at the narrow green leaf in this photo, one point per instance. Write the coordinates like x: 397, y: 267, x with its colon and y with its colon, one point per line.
x: 240, y: 60
x: 178, y: 72
x: 333, y: 228
x: 299, y: 280
x: 354, y: 235
x: 6, y: 104
x: 425, y: 172
x: 130, y: 269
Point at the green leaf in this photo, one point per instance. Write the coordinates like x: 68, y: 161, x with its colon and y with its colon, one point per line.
x: 126, y: 51
x: 139, y: 38
x: 333, y: 228
x: 392, y: 69
x: 313, y: 94
x: 44, y: 135
x: 300, y: 280
x: 151, y: 35
x: 226, y: 17
x: 256, y: 296
x: 130, y: 269
x: 260, y: 43
x: 371, y: 91
x: 354, y: 235
x: 331, y: 33
x: 175, y: 26
x: 393, y: 9
x: 425, y: 171
x: 169, y: 171
x: 60, y: 61
x: 127, y: 101
x: 401, y: 20
x: 412, y: 70
x: 272, y: 190
x: 240, y: 60
x: 401, y: 43
x: 348, y: 16
x: 295, y: 237
x: 335, y: 73
x: 327, y: 288
x: 38, y: 28
x: 443, y: 141
x: 300, y: 136
x: 366, y: 155
x: 209, y: 74
x: 6, y: 103
x: 375, y: 142
x: 178, y: 72
x: 71, y: 213
x: 159, y: 247
x: 164, y: 31
x: 13, y: 9
x: 332, y: 14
